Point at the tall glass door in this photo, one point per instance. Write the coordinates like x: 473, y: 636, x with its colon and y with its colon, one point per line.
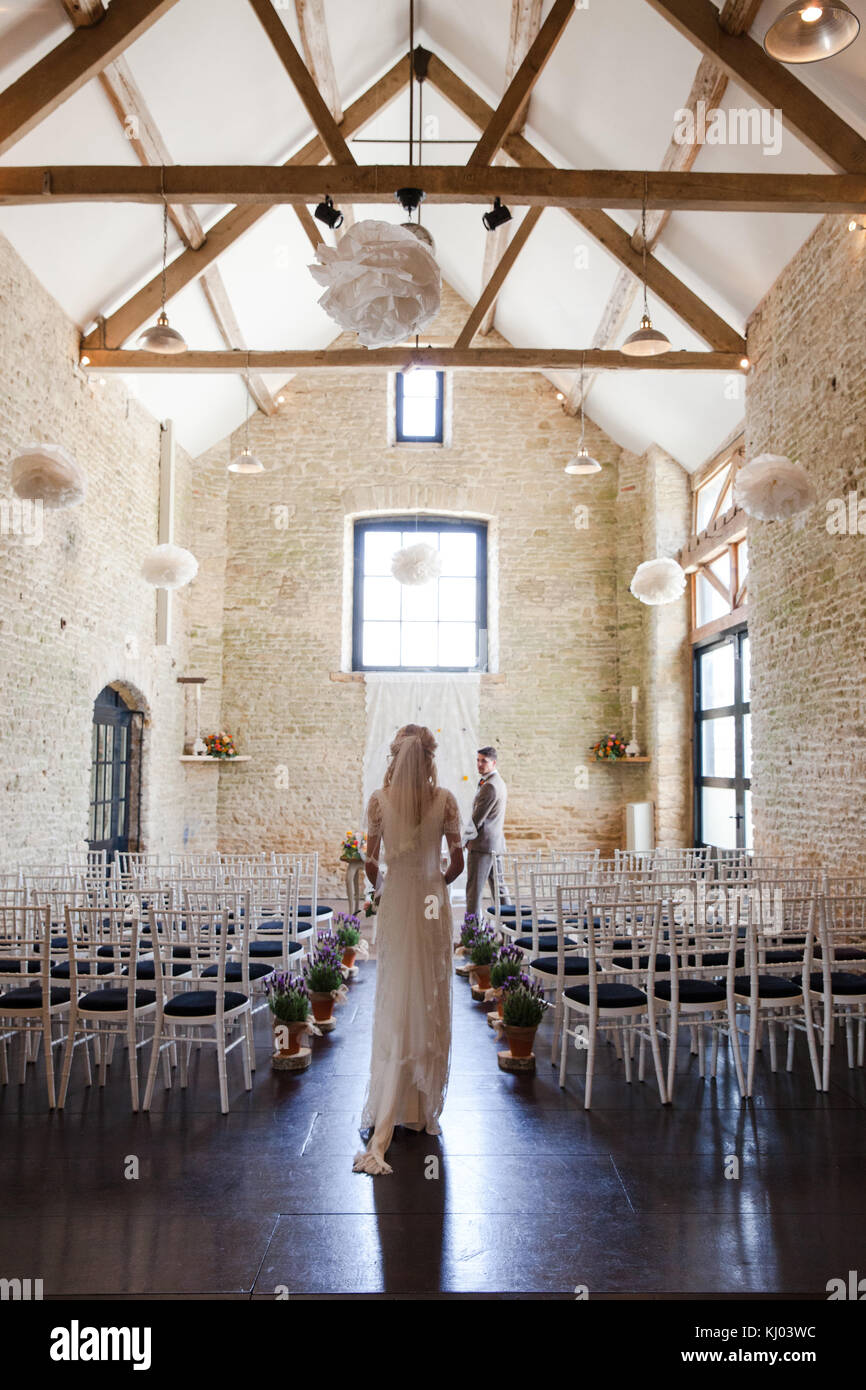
x: 723, y: 742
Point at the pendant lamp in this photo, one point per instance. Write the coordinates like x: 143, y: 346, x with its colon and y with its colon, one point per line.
x: 646, y: 341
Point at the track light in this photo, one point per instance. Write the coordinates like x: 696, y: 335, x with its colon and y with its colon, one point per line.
x: 327, y: 213
x: 806, y: 33
x: 856, y: 225
x: 498, y: 215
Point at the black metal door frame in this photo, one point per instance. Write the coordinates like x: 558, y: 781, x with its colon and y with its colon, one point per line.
x: 111, y: 779
x: 739, y: 783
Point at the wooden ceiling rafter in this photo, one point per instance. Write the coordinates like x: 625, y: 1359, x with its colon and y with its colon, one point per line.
x: 708, y: 87
x: 400, y: 358
x: 145, y: 137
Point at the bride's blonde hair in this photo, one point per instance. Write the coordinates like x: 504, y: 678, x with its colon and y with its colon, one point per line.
x: 411, y: 773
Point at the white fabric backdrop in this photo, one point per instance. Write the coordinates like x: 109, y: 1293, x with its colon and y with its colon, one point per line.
x: 447, y: 703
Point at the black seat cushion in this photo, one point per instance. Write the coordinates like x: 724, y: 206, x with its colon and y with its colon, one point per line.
x: 769, y: 986
x: 273, y: 950
x: 59, y: 943
x: 841, y: 982
x: 545, y: 943
x: 720, y: 958
x: 783, y: 957
x: 146, y: 969
x: 14, y: 967
x: 61, y: 971
x: 663, y: 962
x: 114, y: 1001
x: 574, y: 965
x: 234, y: 974
x: 322, y: 909
x: 509, y: 910
x: 610, y: 996
x: 202, y: 1001
x: 844, y: 953
x: 31, y: 998
x: 692, y: 991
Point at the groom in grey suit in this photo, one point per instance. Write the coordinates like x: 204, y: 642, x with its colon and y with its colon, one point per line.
x: 488, y: 818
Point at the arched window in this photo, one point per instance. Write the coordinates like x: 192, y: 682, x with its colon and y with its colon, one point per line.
x: 113, y: 788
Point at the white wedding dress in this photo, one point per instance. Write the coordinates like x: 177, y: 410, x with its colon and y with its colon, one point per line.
x: 411, y: 1048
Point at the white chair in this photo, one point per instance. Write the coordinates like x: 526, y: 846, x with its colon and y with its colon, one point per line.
x: 618, y: 993
x: 184, y: 1016
x: 32, y: 1008
x: 840, y: 994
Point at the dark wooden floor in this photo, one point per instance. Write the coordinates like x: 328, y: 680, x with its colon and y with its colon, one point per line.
x: 534, y: 1196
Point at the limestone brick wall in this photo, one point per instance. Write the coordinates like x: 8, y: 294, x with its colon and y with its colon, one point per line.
x: 807, y: 586
x: 75, y: 615
x: 556, y: 598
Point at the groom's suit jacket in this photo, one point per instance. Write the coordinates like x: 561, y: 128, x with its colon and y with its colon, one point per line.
x: 488, y: 816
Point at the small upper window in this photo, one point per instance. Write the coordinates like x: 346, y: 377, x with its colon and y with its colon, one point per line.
x: 419, y: 399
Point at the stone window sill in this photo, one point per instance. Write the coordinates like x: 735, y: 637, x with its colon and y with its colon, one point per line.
x: 359, y: 677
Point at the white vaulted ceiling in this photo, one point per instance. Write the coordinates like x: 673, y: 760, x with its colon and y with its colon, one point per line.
x: 606, y: 99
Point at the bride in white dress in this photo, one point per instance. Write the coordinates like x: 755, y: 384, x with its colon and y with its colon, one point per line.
x: 414, y: 943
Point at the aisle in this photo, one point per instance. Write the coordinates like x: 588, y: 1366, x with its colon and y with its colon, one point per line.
x: 533, y: 1196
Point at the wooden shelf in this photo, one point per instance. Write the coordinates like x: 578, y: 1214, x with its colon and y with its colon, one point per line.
x: 191, y: 758
x: 606, y: 762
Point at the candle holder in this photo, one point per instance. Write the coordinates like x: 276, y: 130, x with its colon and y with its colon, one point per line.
x: 632, y: 748
x: 193, y: 743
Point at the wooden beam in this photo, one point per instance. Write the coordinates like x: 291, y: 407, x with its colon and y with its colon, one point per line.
x: 525, y: 24
x: 579, y: 191
x: 310, y: 225
x: 400, y: 358
x: 307, y: 90
x: 688, y: 307
x: 187, y: 267
x: 768, y: 82
x: 317, y: 53
x: 497, y: 279
x: 146, y: 139
x: 66, y: 69
x: 519, y: 88
x: 726, y: 530
x: 216, y: 294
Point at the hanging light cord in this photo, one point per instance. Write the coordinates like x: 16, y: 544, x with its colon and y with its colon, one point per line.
x: 643, y: 241
x: 411, y: 79
x: 582, y: 370
x: 164, y: 231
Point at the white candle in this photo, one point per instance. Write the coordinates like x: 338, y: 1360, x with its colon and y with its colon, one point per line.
x: 634, y: 694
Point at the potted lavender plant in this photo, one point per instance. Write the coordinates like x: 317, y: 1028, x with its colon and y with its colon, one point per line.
x: 289, y: 1002
x: 348, y: 934
x: 523, y: 1006
x: 507, y: 964
x: 324, y: 976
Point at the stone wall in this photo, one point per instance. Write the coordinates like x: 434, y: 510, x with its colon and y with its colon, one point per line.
x: 571, y: 640
x: 807, y: 586
x: 75, y: 615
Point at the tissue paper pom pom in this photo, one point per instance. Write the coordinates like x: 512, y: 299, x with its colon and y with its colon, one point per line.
x: 381, y: 283
x: 169, y: 567
x: 658, y: 581
x: 772, y: 488
x: 416, y: 564
x: 48, y: 474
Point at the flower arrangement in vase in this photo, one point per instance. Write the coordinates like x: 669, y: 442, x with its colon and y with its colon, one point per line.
x: 482, y: 954
x: 289, y: 1002
x: 323, y: 976
x: 351, y: 851
x: 609, y: 749
x: 506, y: 966
x: 523, y: 1006
x: 348, y: 936
x: 220, y: 745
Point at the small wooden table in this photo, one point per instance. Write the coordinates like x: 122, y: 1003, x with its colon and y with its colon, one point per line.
x: 355, y: 885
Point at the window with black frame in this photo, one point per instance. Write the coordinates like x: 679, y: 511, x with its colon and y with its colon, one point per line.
x: 723, y: 742
x: 110, y: 773
x: 420, y: 406
x: 437, y: 626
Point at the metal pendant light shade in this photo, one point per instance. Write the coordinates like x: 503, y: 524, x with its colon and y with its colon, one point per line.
x: 646, y: 341
x: 806, y: 33
x: 583, y: 462
x: 245, y: 462
x: 161, y: 337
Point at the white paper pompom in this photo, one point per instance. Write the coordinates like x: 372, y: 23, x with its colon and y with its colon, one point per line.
x: 381, y: 282
x: 772, y: 488
x: 169, y: 567
x: 658, y: 581
x: 48, y: 474
x: 416, y: 564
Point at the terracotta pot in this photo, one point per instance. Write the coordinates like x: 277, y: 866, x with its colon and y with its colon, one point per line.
x: 323, y: 1005
x: 482, y: 976
x: 289, y: 1035
x: 349, y: 956
x: 520, y: 1040
x: 499, y: 1006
